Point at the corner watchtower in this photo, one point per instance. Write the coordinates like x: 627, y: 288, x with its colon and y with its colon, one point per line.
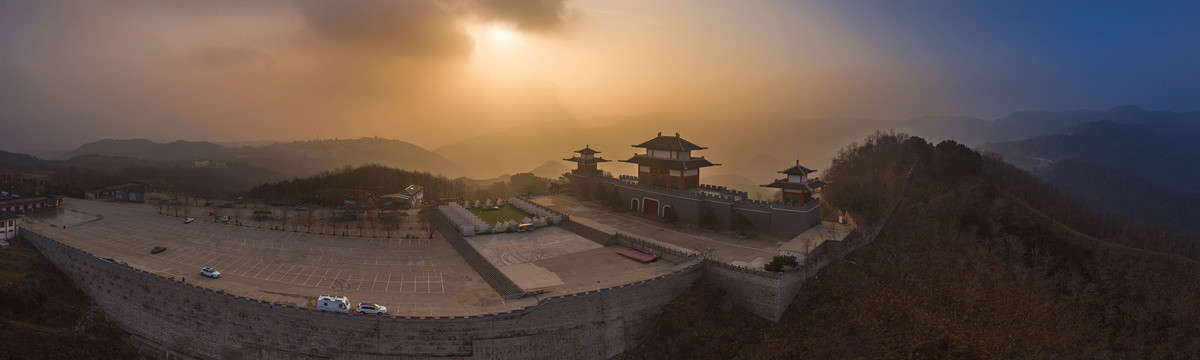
x: 586, y: 161
x: 796, y: 187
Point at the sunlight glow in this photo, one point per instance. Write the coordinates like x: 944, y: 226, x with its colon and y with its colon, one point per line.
x: 503, y: 35
x: 495, y: 37
x: 502, y: 53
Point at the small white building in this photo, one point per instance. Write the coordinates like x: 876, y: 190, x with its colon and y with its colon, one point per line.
x: 411, y: 197
x: 8, y: 225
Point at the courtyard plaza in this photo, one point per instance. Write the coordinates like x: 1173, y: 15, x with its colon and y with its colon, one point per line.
x: 410, y: 276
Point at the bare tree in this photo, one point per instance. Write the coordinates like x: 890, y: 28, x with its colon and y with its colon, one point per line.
x: 390, y: 222
x: 306, y: 219
x: 426, y: 222
x: 284, y: 223
x: 371, y: 221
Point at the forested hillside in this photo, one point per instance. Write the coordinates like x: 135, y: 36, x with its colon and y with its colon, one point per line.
x: 968, y: 266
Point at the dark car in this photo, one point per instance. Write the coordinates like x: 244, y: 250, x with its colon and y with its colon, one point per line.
x: 158, y: 249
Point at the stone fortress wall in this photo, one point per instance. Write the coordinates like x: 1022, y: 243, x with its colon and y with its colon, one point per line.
x: 174, y: 320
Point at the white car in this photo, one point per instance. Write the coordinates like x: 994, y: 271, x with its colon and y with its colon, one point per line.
x: 210, y: 272
x: 188, y: 220
x: 369, y: 308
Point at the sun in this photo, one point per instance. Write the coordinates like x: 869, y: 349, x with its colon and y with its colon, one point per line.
x: 502, y: 35
x: 495, y: 37
x: 502, y: 52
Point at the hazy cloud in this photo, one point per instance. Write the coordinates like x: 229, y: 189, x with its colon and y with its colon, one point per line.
x: 529, y: 15
x: 248, y: 70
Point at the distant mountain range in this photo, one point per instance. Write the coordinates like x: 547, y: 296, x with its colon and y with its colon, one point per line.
x: 295, y: 158
x: 552, y: 169
x: 1148, y: 169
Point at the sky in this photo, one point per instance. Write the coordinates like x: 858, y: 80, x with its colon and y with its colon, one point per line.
x: 436, y: 72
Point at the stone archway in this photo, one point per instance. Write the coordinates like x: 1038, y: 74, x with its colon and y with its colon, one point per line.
x: 633, y: 205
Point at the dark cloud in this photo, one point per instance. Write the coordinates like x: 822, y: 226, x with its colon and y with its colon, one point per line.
x: 402, y: 28
x: 528, y: 15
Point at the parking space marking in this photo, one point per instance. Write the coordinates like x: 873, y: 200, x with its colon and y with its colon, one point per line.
x: 335, y: 277
x: 284, y: 274
x: 239, y: 268
x: 225, y: 261
x: 265, y: 269
x: 301, y: 272
x: 314, y: 273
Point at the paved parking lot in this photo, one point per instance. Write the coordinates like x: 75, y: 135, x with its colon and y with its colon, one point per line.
x: 422, y: 277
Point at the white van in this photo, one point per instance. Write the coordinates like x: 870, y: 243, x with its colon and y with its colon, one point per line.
x: 333, y: 303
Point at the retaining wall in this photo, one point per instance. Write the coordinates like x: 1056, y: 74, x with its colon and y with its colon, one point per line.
x: 488, y: 271
x: 586, y: 232
x: 172, y: 320
x: 762, y: 294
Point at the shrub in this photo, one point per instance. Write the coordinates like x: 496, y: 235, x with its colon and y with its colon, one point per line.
x: 777, y: 263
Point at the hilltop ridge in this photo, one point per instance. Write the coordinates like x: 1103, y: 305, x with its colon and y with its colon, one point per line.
x: 964, y: 268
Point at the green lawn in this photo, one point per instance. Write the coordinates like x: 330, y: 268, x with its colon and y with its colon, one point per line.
x: 504, y: 213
